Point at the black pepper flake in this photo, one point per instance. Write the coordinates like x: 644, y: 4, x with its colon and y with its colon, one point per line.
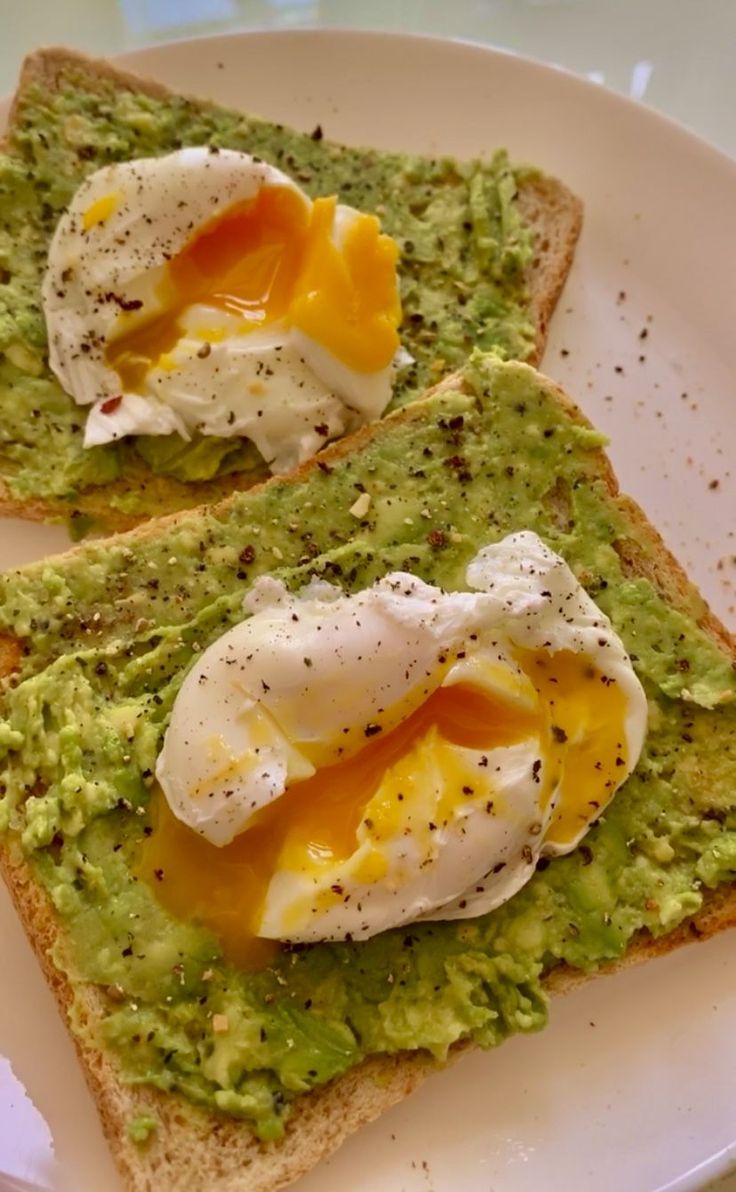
x: 559, y: 734
x: 459, y: 467
x: 437, y: 539
x: 247, y: 554
x: 123, y: 303
x: 370, y: 730
x: 316, y: 133
x: 586, y: 853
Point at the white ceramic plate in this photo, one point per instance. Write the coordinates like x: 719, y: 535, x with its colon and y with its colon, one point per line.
x: 633, y: 1084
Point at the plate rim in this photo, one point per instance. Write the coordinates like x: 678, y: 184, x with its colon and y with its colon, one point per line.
x: 563, y: 74
x: 724, y: 1161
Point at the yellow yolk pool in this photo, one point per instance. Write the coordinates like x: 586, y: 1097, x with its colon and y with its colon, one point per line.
x: 578, y: 723
x: 273, y: 259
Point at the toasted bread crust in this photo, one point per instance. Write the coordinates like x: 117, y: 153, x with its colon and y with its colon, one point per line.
x: 230, y: 1158
x: 546, y: 204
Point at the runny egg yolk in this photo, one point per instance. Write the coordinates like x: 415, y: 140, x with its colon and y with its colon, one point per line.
x: 579, y: 722
x: 273, y: 259
x: 584, y: 714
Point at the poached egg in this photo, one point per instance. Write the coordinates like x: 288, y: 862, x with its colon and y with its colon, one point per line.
x: 204, y: 291
x: 337, y: 765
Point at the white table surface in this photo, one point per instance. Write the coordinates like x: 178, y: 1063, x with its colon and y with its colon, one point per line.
x: 677, y: 55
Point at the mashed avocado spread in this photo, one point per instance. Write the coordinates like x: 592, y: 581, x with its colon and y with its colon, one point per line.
x: 463, y: 251
x: 108, y: 634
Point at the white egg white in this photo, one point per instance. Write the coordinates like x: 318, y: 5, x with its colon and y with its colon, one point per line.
x: 275, y: 386
x: 314, y: 665
x: 305, y: 679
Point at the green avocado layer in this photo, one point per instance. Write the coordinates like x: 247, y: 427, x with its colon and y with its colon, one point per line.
x: 463, y: 252
x: 109, y: 632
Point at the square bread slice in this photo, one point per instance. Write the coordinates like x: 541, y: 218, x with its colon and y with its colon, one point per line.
x: 63, y: 102
x: 494, y: 449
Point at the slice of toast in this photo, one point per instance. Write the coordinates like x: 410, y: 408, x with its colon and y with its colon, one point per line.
x: 619, y: 556
x: 546, y: 206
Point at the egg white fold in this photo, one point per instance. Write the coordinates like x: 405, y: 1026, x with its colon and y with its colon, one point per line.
x: 323, y: 670
x: 539, y: 604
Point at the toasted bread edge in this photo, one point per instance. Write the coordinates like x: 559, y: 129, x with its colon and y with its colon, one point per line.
x: 548, y: 205
x: 230, y: 1159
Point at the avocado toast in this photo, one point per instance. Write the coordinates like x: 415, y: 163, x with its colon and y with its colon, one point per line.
x: 102, y: 637
x: 485, y: 252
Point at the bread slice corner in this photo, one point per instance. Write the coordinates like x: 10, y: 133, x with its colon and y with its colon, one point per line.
x: 228, y: 1157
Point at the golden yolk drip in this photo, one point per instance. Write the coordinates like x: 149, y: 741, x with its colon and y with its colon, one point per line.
x: 272, y: 258
x: 347, y: 297
x: 315, y: 821
x: 245, y: 261
x: 580, y: 722
x: 586, y: 717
